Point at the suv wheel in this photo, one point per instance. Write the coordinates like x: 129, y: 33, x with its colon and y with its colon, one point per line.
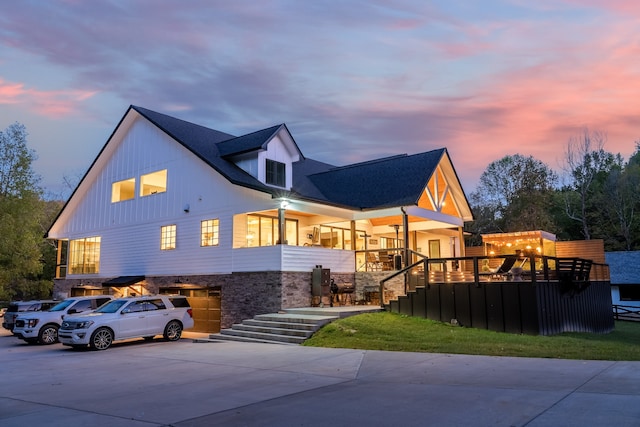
x: 101, y: 339
x: 48, y: 334
x: 173, y: 331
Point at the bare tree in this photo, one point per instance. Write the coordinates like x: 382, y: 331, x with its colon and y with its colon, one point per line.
x: 585, y: 158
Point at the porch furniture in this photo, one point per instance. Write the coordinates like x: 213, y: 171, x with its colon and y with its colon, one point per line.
x: 387, y: 260
x: 503, y: 270
x: 373, y: 263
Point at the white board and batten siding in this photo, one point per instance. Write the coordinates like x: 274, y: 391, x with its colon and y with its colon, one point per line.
x: 292, y: 258
x: 130, y: 229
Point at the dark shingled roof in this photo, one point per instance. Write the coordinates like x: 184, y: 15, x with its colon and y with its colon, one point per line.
x: 388, y: 182
x: 623, y: 267
x: 382, y: 183
x: 251, y: 142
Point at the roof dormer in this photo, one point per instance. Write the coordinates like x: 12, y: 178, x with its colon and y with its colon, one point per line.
x: 267, y: 155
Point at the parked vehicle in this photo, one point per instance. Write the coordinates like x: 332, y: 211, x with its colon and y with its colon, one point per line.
x: 42, y: 326
x: 19, y: 307
x: 124, y: 318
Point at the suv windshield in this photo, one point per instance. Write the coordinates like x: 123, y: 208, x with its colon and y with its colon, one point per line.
x: 111, y: 306
x: 62, y: 305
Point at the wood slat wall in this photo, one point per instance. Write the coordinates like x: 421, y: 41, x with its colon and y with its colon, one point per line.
x: 589, y: 249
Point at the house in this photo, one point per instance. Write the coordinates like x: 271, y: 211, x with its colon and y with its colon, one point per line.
x: 238, y: 224
x: 625, y: 277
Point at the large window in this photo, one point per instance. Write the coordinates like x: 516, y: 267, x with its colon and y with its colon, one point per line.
x: 339, y: 238
x: 123, y: 190
x: 153, y: 183
x: 84, y: 256
x: 276, y: 173
x: 167, y: 237
x: 209, y: 232
x: 263, y: 230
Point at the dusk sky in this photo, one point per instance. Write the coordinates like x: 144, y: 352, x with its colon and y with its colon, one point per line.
x: 353, y: 80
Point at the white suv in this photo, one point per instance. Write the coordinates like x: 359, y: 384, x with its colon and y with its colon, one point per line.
x: 42, y: 326
x: 125, y: 318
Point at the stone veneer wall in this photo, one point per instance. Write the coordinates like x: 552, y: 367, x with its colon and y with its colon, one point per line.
x: 242, y: 295
x: 371, y: 280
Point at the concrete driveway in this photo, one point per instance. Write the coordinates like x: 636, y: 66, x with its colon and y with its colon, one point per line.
x: 241, y: 384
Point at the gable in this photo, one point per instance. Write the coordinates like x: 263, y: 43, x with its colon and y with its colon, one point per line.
x: 441, y: 195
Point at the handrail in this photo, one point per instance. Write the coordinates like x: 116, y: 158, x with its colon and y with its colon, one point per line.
x: 404, y: 271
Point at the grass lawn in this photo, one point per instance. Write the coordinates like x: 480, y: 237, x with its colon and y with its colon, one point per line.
x: 395, y: 332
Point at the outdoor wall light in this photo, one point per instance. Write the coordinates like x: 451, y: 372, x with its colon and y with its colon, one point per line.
x: 284, y: 204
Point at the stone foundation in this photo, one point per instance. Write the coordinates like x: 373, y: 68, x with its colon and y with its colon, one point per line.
x: 244, y: 295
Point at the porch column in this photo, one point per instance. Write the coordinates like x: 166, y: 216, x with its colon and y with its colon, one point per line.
x: 405, y: 236
x: 282, y: 226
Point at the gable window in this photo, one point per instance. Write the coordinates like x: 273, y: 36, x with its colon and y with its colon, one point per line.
x: 153, y: 183
x: 168, y: 237
x: 123, y: 190
x: 275, y: 173
x: 84, y: 256
x: 263, y: 230
x: 209, y: 230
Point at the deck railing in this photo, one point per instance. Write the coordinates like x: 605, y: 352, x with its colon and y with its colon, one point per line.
x: 572, y: 273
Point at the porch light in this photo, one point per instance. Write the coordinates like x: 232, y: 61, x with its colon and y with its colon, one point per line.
x: 284, y: 204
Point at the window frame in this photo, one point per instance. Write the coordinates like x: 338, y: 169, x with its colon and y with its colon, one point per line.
x: 257, y: 231
x: 275, y: 173
x: 83, y: 254
x: 146, y: 188
x: 116, y: 190
x: 168, y: 237
x: 213, y: 229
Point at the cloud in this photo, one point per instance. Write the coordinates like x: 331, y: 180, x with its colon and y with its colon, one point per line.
x: 57, y: 103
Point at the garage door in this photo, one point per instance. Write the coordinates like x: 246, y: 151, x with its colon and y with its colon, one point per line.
x: 205, y: 304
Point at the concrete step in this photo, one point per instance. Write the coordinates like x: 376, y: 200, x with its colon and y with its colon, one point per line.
x: 220, y: 337
x: 282, y: 327
x: 275, y: 329
x: 287, y: 317
x: 238, y: 335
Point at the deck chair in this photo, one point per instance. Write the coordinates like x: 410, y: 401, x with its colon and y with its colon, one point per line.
x: 373, y: 263
x: 507, y: 264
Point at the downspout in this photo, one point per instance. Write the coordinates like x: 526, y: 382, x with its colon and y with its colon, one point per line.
x: 405, y: 236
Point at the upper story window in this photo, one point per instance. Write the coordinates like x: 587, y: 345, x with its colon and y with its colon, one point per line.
x: 167, y: 237
x: 84, y: 256
x: 123, y: 190
x: 209, y: 232
x: 276, y: 173
x: 152, y: 183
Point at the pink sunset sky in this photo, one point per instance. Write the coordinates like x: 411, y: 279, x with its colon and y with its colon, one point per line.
x: 353, y: 80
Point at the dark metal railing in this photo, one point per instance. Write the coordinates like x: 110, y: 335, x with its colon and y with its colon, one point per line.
x: 574, y: 274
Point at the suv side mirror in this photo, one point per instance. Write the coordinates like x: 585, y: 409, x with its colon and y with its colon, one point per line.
x: 72, y: 311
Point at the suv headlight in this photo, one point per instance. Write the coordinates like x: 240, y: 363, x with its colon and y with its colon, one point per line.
x: 77, y: 325
x: 84, y: 325
x: 30, y: 323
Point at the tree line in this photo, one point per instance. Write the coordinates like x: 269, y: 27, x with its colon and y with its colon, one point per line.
x: 597, y: 196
